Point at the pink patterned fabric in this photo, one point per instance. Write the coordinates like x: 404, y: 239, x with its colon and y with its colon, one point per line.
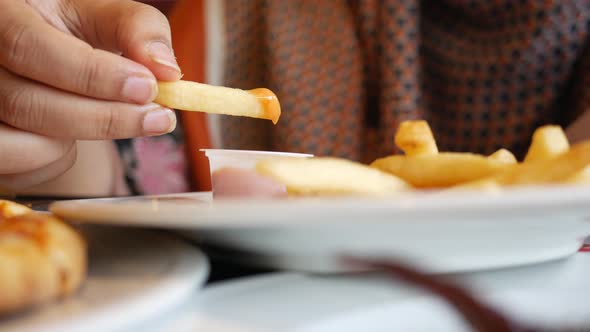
x: 160, y: 166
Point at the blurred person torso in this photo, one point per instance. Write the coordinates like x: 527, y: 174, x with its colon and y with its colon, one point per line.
x: 484, y: 74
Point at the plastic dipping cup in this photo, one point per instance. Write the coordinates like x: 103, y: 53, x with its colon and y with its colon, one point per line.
x: 240, y: 159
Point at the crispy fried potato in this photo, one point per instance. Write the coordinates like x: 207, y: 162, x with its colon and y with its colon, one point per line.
x: 580, y: 177
x: 562, y: 168
x: 503, y: 156
x: 415, y: 138
x: 329, y: 176
x: 548, y: 142
x: 42, y: 258
x: 10, y: 209
x: 191, y: 96
x: 550, y: 160
x: 488, y: 185
x: 441, y: 170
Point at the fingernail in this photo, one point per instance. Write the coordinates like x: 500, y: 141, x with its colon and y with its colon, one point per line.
x: 139, y: 90
x: 162, y: 54
x: 159, y: 121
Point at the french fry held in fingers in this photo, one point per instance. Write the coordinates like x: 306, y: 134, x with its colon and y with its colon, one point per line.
x: 441, y: 170
x: 547, y: 142
x: 329, y: 176
x: 415, y: 138
x: 192, y: 96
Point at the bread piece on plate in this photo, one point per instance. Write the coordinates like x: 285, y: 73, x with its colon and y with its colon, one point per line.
x: 41, y: 258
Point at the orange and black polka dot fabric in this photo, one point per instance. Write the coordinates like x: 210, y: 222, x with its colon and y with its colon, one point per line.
x: 485, y: 74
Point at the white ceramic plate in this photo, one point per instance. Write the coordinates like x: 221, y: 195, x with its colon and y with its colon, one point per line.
x: 133, y: 275
x: 440, y: 232
x: 292, y: 302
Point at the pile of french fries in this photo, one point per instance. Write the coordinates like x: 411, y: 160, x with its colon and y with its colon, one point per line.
x: 550, y: 160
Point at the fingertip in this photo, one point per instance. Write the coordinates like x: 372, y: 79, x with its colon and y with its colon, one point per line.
x: 139, y: 89
x: 165, y: 74
x: 159, y: 121
x: 163, y: 62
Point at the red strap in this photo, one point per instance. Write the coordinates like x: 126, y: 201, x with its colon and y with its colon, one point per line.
x: 188, y: 37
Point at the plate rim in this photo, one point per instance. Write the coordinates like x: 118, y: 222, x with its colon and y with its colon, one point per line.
x: 532, y: 201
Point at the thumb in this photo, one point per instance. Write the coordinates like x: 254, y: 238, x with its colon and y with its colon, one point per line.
x: 139, y: 31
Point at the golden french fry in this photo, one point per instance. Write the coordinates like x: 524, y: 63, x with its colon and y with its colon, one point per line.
x: 580, y: 177
x: 569, y: 166
x: 548, y: 142
x: 11, y: 209
x: 415, y: 138
x: 329, y: 176
x: 550, y: 160
x: 483, y: 185
x: 503, y: 156
x: 441, y: 170
x: 192, y: 96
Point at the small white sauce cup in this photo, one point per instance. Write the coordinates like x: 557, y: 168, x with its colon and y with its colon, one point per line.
x: 242, y: 159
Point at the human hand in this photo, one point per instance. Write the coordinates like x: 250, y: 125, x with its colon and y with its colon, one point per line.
x: 77, y: 70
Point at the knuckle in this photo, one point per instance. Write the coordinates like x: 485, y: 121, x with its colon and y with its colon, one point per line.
x: 13, y: 103
x: 107, y: 125
x: 21, y: 109
x: 17, y: 41
x: 89, y: 75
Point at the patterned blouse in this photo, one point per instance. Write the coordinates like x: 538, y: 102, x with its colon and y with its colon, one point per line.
x: 484, y: 73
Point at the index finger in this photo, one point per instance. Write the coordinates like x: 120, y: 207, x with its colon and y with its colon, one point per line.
x: 36, y: 50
